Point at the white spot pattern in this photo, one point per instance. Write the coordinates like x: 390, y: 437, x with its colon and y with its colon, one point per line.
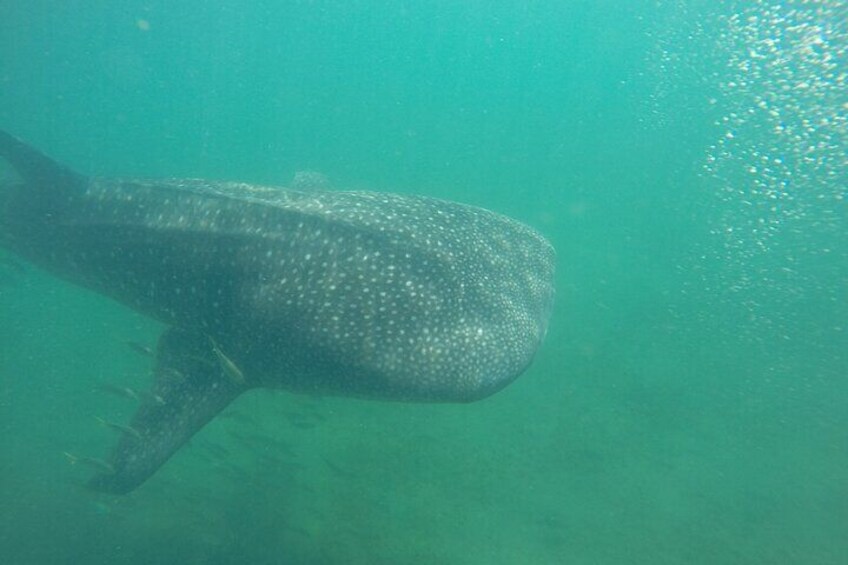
x: 361, y: 293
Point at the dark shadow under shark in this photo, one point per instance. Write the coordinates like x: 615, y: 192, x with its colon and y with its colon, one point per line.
x: 363, y: 294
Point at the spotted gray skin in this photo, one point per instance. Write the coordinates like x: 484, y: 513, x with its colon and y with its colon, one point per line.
x: 364, y: 294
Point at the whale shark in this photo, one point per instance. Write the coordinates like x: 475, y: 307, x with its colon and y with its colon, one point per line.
x: 327, y: 292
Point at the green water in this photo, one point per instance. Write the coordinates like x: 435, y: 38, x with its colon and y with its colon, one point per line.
x: 687, y: 161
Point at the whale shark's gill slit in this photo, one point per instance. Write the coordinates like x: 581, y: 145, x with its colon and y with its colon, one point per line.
x: 190, y: 389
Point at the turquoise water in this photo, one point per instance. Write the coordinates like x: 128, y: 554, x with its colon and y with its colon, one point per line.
x: 687, y: 161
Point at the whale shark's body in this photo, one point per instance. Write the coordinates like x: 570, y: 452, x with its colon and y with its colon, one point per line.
x: 364, y: 294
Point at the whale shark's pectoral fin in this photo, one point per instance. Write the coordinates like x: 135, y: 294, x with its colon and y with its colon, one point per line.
x: 190, y: 389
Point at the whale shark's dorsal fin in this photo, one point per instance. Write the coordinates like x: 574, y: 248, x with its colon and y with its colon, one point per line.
x: 36, y: 169
x: 190, y: 389
x: 310, y: 180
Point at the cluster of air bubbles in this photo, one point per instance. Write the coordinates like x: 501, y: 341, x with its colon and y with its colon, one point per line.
x: 780, y: 164
x: 677, y: 62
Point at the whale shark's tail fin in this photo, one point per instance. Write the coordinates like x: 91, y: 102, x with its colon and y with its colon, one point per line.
x: 28, y: 207
x: 191, y: 387
x: 36, y: 169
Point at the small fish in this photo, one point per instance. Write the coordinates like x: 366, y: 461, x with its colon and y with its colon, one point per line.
x: 232, y: 470
x: 294, y: 529
x: 129, y: 430
x: 97, y: 464
x: 337, y: 470
x: 269, y: 458
x: 122, y: 391
x: 230, y: 369
x: 201, y: 360
x: 127, y: 392
x: 216, y: 450
x: 172, y: 374
x: 148, y: 396
x: 15, y: 266
x: 236, y: 416
x: 302, y: 424
x: 6, y: 279
x: 140, y: 348
x: 263, y: 443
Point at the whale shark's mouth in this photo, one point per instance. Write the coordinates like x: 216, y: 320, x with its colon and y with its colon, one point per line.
x: 191, y: 387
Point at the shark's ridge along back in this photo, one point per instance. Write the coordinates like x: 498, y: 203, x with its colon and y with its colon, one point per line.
x: 365, y: 294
